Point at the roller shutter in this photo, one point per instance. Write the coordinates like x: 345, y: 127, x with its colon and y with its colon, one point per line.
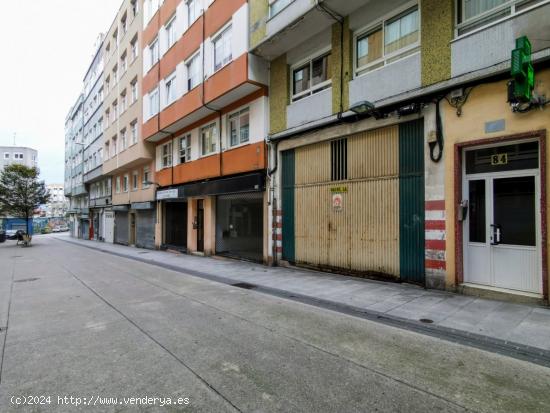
x: 145, y: 229
x: 121, y: 228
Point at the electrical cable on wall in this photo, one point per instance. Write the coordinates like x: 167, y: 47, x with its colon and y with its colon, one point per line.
x: 438, y: 143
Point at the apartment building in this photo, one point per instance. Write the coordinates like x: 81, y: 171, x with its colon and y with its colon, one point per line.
x: 98, y: 186
x: 204, y: 108
x: 58, y: 204
x: 75, y: 189
x: 18, y: 155
x: 399, y: 149
x: 127, y: 157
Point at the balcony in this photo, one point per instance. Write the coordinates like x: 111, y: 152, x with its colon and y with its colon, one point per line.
x: 135, y: 155
x: 300, y: 20
x: 92, y: 175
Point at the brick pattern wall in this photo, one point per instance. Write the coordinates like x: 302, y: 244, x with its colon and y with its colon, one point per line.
x: 435, y: 235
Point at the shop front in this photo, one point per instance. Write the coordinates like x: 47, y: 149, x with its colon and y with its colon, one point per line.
x: 142, y: 224
x: 122, y: 224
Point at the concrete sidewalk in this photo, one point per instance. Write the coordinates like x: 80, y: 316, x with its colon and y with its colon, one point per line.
x: 513, y: 323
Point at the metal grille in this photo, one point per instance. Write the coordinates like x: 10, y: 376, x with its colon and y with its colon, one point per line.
x: 239, y: 225
x: 121, y: 228
x: 339, y: 159
x: 145, y: 229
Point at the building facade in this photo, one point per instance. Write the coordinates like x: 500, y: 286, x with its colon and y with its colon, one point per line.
x: 128, y: 158
x: 204, y: 108
x: 18, y: 155
x: 75, y: 189
x: 58, y: 204
x: 396, y: 150
x: 98, y: 186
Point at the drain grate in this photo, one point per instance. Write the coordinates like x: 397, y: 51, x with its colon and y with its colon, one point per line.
x: 426, y: 320
x: 143, y: 252
x: 26, y: 280
x: 246, y: 286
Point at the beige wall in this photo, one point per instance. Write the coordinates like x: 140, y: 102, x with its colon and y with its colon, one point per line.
x: 486, y: 103
x: 136, y: 156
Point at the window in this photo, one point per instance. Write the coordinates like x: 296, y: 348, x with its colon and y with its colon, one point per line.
x: 154, y: 52
x: 311, y: 77
x: 170, y: 33
x: 117, y: 185
x: 114, y: 147
x: 146, y: 179
x: 134, y: 6
x: 154, y: 102
x: 473, y: 14
x: 167, y: 155
x: 123, y: 63
x: 184, y: 149
x: 134, y: 48
x: 193, y: 72
x: 107, y: 152
x: 193, y: 11
x: 170, y: 89
x: 124, y: 23
x: 339, y: 160
x: 222, y: 49
x: 239, y: 127
x: 388, y: 41
x: 6, y: 155
x: 133, y: 128
x: 123, y: 103
x: 208, y: 139
x: 277, y: 6
x: 18, y: 156
x: 134, y: 88
x: 123, y: 140
x: 125, y: 183
x: 135, y: 180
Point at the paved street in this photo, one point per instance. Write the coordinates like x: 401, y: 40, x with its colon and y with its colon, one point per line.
x: 83, y: 323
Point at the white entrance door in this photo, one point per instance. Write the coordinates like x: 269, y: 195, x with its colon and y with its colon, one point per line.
x: 502, y: 227
x: 109, y: 228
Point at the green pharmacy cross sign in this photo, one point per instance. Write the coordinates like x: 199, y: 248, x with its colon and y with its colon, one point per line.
x: 522, y: 70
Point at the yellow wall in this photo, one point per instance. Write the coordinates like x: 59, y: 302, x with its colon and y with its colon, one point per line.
x: 486, y: 103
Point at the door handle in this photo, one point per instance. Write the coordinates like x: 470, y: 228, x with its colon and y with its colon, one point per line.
x: 496, y: 237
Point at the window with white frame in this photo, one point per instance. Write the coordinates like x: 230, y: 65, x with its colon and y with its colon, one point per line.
x: 388, y: 40
x: 209, y: 137
x: 170, y: 29
x: 311, y: 76
x: 146, y: 177
x: 239, y: 127
x: 154, y: 52
x: 222, y: 48
x: 193, y: 72
x: 154, y: 102
x: 114, y: 147
x: 125, y: 179
x: 18, y: 156
x: 134, y: 88
x: 277, y: 6
x: 134, y: 131
x: 166, y: 155
x: 193, y: 11
x: 117, y: 185
x: 123, y: 140
x: 184, y: 148
x: 6, y: 155
x: 135, y: 177
x: 123, y: 63
x: 134, y: 47
x: 472, y: 14
x: 170, y: 89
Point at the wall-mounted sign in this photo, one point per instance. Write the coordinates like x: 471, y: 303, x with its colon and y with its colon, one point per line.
x: 499, y: 159
x: 167, y: 194
x: 337, y: 202
x: 339, y: 190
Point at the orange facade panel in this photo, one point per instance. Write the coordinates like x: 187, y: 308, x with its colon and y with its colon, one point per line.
x: 150, y: 80
x: 167, y: 10
x: 181, y: 108
x: 164, y: 177
x: 244, y: 159
x: 227, y: 79
x: 219, y: 13
x: 150, y: 127
x: 203, y: 168
x: 182, y: 50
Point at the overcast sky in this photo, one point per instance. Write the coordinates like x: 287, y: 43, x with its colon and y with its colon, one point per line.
x: 46, y: 49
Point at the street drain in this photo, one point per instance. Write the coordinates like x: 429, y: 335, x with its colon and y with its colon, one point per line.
x: 26, y: 280
x: 143, y: 252
x: 426, y: 320
x: 246, y: 286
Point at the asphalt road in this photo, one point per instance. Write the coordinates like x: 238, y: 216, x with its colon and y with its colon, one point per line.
x: 93, y: 326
